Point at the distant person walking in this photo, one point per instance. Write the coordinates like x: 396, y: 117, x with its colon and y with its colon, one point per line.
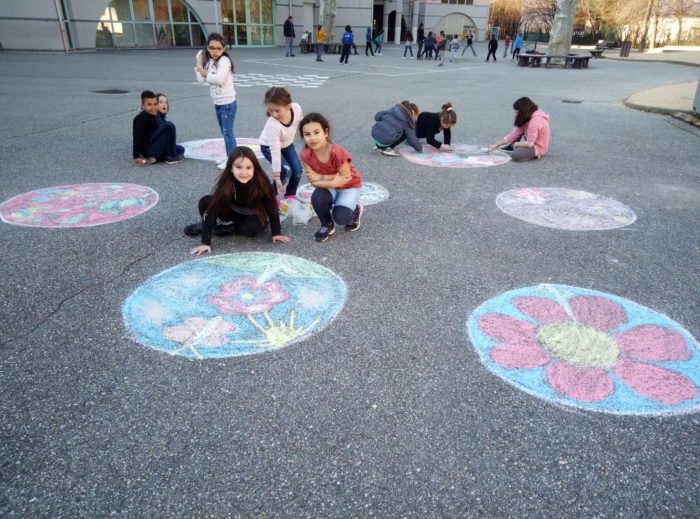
x: 288, y: 31
x: 320, y: 38
x: 368, y: 41
x: 378, y: 43
x: 346, y: 40
x: 420, y: 37
x: 408, y: 45
x: 506, y: 42
x: 470, y: 40
x: 493, y: 46
x: 517, y: 45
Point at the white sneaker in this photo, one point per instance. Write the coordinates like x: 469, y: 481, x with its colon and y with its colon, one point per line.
x: 222, y: 160
x: 221, y: 166
x: 390, y: 152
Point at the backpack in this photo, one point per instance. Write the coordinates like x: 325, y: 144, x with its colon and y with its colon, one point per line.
x: 347, y: 38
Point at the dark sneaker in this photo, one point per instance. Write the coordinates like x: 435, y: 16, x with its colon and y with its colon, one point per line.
x: 174, y: 160
x: 507, y: 147
x: 224, y: 230
x: 324, y: 233
x: 355, y: 225
x: 193, y: 229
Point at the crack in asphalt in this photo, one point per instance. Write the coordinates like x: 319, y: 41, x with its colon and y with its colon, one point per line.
x: 53, y: 312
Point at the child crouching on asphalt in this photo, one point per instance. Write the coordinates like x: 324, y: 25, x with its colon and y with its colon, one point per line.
x: 242, y: 195
x: 329, y: 169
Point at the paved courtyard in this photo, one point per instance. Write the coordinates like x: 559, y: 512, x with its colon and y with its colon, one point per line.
x: 399, y: 401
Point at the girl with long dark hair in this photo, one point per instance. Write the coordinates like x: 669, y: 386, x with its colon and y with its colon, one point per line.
x: 530, y: 123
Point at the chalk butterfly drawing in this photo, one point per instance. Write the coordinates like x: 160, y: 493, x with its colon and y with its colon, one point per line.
x: 562, y: 208
x: 462, y: 156
x: 588, y: 349
x: 233, y: 304
x: 78, y: 205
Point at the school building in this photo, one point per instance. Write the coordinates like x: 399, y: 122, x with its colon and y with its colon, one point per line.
x: 71, y: 25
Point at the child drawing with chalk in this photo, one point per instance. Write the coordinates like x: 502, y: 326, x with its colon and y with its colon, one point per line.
x: 277, y: 140
x: 329, y: 169
x: 242, y: 195
x: 429, y: 124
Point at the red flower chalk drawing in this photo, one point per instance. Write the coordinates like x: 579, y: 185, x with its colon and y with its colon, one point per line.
x: 588, y: 348
x: 245, y: 296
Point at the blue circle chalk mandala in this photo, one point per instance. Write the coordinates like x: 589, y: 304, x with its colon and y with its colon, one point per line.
x: 233, y: 304
x: 588, y: 349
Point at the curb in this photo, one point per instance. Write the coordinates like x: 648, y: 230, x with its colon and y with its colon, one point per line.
x: 667, y: 61
x: 652, y: 109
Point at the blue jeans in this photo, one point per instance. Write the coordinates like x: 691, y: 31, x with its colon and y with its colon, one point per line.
x: 406, y: 49
x: 319, y: 51
x: 335, y: 205
x: 289, y: 41
x: 291, y: 168
x: 225, y: 115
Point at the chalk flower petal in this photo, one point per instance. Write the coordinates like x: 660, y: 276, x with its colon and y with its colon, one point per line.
x: 579, y: 383
x: 657, y: 383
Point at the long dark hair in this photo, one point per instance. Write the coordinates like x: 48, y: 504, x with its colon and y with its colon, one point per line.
x: 314, y: 117
x: 224, y: 193
x: 220, y: 39
x: 525, y: 108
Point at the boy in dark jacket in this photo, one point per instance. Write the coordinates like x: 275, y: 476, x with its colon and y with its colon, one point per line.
x: 150, y: 142
x: 493, y: 45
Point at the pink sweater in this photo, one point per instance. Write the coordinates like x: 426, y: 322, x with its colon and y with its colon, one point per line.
x: 535, y: 131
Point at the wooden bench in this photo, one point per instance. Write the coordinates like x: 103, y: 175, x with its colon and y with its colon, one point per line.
x: 596, y: 53
x: 605, y: 44
x: 570, y: 61
x: 530, y: 60
x: 328, y: 48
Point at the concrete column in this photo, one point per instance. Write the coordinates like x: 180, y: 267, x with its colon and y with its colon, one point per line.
x: 385, y: 20
x: 414, y: 19
x: 562, y: 29
x: 397, y: 25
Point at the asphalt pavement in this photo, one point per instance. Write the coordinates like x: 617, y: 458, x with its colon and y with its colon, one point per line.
x: 388, y: 411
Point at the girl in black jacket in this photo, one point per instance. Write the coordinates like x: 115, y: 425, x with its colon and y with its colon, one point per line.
x: 429, y: 124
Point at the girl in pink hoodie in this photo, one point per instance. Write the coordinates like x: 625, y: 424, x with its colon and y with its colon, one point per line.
x: 531, y: 123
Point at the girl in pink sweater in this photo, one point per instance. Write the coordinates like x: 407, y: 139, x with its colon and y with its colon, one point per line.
x: 531, y: 123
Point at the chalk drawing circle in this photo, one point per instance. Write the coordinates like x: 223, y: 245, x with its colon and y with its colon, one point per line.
x: 78, y: 205
x: 462, y: 156
x: 568, y: 209
x: 233, y: 304
x: 214, y: 149
x: 590, y: 350
x: 370, y: 193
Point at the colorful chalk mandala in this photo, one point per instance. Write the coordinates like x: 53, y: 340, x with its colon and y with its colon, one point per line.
x: 78, y: 205
x: 588, y: 349
x: 562, y: 208
x: 233, y: 304
x: 370, y: 193
x: 214, y: 149
x: 462, y: 156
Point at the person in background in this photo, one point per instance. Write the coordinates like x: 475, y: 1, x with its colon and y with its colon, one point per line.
x: 420, y: 37
x: 347, y: 41
x: 320, y: 38
x: 368, y: 41
x: 506, y: 42
x: 408, y: 45
x: 517, y: 45
x: 493, y: 47
x: 470, y: 41
x: 288, y: 31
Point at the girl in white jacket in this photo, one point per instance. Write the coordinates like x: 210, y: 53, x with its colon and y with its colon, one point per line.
x: 277, y: 140
x: 215, y: 68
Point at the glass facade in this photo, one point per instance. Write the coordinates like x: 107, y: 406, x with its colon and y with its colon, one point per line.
x: 149, y: 23
x: 248, y: 22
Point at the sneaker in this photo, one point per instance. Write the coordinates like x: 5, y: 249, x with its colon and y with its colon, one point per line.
x: 390, y: 152
x: 224, y: 230
x: 151, y: 160
x: 507, y: 147
x: 174, y: 160
x: 221, y: 166
x: 355, y: 225
x: 324, y: 233
x: 441, y: 64
x: 222, y: 160
x: 193, y: 229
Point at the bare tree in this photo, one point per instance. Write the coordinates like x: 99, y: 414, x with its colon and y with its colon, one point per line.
x: 539, y: 13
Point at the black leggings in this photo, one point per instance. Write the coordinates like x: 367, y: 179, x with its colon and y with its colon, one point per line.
x: 244, y: 224
x: 368, y: 47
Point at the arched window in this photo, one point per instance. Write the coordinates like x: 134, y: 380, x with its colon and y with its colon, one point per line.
x: 149, y: 23
x: 456, y: 23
